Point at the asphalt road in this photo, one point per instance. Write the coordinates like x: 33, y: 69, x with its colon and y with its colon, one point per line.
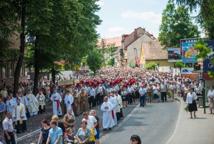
x: 154, y: 124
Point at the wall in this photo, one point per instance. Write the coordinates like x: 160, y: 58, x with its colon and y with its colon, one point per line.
x: 138, y: 45
x: 161, y: 62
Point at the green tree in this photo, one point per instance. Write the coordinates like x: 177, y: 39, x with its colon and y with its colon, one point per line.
x: 61, y: 30
x: 203, y: 51
x: 151, y: 65
x: 176, y: 25
x: 95, y: 60
x: 205, y: 16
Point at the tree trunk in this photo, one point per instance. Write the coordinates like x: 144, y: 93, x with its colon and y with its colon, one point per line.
x: 53, y: 75
x: 21, y: 50
x: 36, y: 68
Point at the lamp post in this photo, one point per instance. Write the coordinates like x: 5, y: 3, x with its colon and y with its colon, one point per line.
x: 203, y: 94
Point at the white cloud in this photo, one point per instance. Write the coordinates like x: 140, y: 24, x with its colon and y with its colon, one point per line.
x: 114, y: 31
x: 148, y: 16
x: 100, y: 3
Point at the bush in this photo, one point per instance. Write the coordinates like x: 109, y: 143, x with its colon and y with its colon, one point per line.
x: 151, y: 66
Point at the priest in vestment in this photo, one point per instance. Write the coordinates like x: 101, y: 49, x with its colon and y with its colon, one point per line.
x: 69, y: 100
x: 113, y: 100
x: 56, y: 103
x: 19, y: 117
x: 106, y: 108
x: 32, y: 104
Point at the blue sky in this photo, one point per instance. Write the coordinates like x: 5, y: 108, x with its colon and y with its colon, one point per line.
x: 123, y: 16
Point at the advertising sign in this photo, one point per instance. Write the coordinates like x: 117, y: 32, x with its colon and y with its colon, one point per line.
x: 188, y: 51
x: 208, y: 64
x: 174, y: 54
x: 187, y: 70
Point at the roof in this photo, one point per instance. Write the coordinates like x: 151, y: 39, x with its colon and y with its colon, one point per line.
x: 154, y: 51
x: 128, y: 39
x: 116, y: 41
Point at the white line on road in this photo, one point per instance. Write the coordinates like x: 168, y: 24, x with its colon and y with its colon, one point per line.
x: 177, y: 123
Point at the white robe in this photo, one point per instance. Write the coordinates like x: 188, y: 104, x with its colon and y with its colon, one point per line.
x: 32, y: 104
x: 41, y: 100
x: 20, y: 113
x: 106, y: 108
x: 69, y: 100
x: 120, y: 103
x: 114, y: 103
x: 56, y: 98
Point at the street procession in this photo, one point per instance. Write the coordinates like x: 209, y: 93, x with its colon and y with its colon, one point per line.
x: 111, y: 91
x: 106, y: 72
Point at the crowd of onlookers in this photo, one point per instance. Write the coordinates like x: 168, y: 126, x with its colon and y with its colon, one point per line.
x: 111, y: 89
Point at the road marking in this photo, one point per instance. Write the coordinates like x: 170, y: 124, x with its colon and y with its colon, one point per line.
x: 28, y: 135
x: 104, y: 137
x: 177, y: 123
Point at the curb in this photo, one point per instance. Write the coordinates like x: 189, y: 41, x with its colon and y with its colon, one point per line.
x: 178, y: 120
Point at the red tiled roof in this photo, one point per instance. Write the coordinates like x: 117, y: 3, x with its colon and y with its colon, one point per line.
x: 116, y: 41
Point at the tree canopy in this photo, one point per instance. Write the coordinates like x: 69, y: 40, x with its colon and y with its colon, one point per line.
x: 205, y: 15
x: 55, y: 30
x: 95, y: 60
x: 176, y: 25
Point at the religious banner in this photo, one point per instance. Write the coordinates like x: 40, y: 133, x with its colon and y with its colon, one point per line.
x: 188, y: 51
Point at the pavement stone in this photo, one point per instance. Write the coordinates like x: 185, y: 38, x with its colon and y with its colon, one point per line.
x: 193, y: 131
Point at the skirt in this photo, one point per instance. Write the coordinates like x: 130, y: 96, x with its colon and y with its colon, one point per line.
x: 211, y: 103
x: 193, y: 106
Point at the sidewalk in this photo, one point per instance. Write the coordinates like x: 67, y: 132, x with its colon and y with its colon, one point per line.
x: 193, y: 131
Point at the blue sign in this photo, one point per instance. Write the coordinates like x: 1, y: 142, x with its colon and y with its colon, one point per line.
x: 207, y: 64
x: 188, y: 52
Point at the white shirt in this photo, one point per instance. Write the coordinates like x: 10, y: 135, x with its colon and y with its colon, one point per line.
x: 8, y: 125
x: 191, y: 97
x: 91, y: 121
x: 210, y: 93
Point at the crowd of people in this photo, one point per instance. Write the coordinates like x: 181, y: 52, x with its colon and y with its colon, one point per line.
x: 111, y: 89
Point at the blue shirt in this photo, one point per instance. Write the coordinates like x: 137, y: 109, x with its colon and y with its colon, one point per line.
x: 2, y: 107
x: 54, y: 134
